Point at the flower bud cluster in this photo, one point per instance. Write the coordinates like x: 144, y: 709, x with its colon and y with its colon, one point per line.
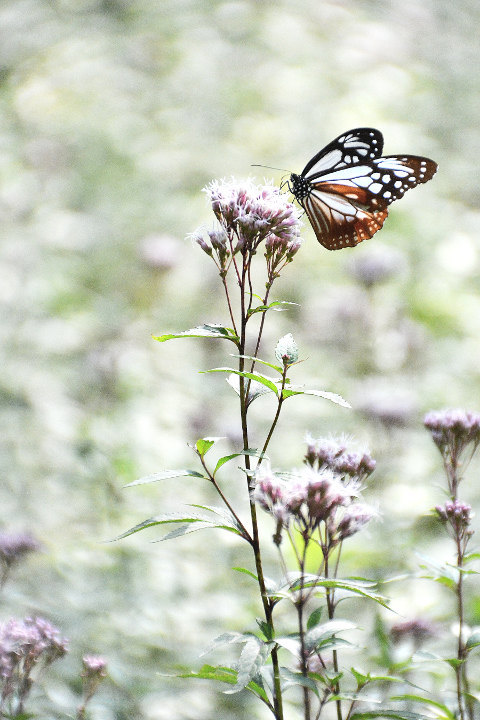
x: 312, y: 496
x: 328, y: 453
x: 255, y: 213
x: 25, y: 644
x: 458, y: 515
x: 286, y: 351
x: 217, y: 247
x: 453, y: 430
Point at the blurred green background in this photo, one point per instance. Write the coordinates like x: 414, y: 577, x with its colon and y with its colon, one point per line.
x: 113, y: 115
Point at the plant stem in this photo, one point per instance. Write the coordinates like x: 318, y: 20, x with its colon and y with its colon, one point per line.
x: 267, y: 603
x: 300, y: 604
x: 330, y: 596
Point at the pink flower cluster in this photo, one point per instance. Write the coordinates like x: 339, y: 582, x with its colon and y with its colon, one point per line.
x: 310, y: 497
x: 24, y: 645
x: 453, y: 430
x: 255, y: 212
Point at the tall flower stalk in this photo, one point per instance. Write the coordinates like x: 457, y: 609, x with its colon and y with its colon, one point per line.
x: 316, y: 508
x: 456, y: 434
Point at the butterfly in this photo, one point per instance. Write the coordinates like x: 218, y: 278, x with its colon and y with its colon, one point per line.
x: 346, y: 188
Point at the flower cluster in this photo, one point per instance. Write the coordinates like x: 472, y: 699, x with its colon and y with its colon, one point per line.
x: 250, y: 214
x: 332, y: 454
x: 25, y: 645
x: 14, y: 546
x: 320, y: 492
x: 416, y: 630
x: 453, y: 430
x: 94, y: 671
x: 458, y: 515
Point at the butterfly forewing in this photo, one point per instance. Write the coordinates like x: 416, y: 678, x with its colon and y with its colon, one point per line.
x: 351, y: 148
x: 346, y: 188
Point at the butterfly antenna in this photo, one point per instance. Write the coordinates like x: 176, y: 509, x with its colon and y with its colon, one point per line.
x: 268, y: 167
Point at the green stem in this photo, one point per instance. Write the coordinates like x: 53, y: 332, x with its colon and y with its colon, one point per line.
x: 267, y: 603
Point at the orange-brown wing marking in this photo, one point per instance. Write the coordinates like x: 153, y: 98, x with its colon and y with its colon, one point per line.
x: 343, y: 216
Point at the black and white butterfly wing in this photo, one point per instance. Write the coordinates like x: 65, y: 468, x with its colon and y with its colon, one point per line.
x: 351, y: 148
x: 346, y: 188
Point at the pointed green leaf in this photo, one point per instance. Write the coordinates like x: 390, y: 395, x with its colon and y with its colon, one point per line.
x: 208, y: 330
x: 262, y: 362
x: 227, y: 523
x: 473, y: 641
x: 249, y: 664
x: 246, y: 572
x: 275, y: 305
x: 226, y: 675
x: 227, y: 458
x: 292, y: 679
x: 314, y: 618
x: 164, y: 475
x: 292, y: 644
x: 203, y: 445
x: 262, y: 379
x: 447, y: 713
x: 387, y: 713
x: 321, y: 635
x: 291, y: 390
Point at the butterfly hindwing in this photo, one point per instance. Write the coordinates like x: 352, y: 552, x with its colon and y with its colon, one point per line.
x: 346, y: 188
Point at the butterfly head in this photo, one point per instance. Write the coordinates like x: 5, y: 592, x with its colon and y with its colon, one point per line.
x: 299, y: 187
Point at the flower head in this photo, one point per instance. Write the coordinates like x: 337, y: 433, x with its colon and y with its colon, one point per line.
x: 453, y: 430
x: 14, y: 546
x: 253, y: 212
x: 334, y: 454
x: 25, y: 644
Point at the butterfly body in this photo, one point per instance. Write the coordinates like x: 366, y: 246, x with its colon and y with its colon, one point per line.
x: 346, y: 188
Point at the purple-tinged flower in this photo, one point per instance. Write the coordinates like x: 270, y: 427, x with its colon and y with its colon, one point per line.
x: 355, y: 517
x: 94, y: 671
x: 323, y: 452
x: 416, y: 630
x: 25, y: 645
x: 333, y: 454
x: 458, y: 514
x: 453, y: 430
x: 253, y: 212
x: 354, y: 465
x: 94, y: 666
x: 14, y: 546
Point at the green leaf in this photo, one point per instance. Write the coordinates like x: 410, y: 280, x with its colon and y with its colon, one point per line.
x: 349, y: 586
x: 272, y: 306
x: 225, y: 675
x: 291, y: 390
x: 262, y: 379
x: 473, y: 641
x: 226, y: 523
x: 322, y: 635
x: 164, y: 475
x: 207, y: 330
x: 387, y: 713
x: 262, y: 362
x: 471, y: 556
x: 454, y: 662
x: 250, y: 661
x: 227, y: 458
x: 314, y: 618
x: 292, y: 679
x: 203, y: 445
x: 446, y: 712
x: 266, y: 629
x: 246, y: 572
x: 292, y: 644
x: 442, y: 573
